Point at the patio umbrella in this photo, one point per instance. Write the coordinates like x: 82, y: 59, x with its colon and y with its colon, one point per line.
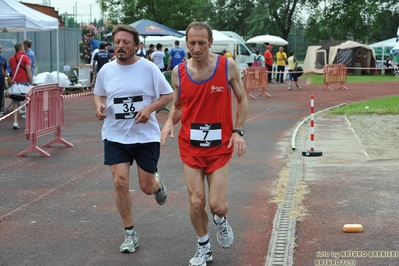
x: 395, y: 49
x: 270, y: 39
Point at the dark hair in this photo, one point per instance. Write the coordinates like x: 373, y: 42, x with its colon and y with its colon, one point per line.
x: 159, y: 46
x: 257, y: 51
x: 177, y: 42
x: 28, y: 43
x: 103, y: 45
x: 129, y: 29
x: 199, y: 26
x: 18, y: 47
x: 291, y: 54
x: 166, y: 49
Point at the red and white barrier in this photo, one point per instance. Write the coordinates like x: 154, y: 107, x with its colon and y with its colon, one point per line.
x: 312, y: 151
x: 44, y: 115
x: 255, y: 78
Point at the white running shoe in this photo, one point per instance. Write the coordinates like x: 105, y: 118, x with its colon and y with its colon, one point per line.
x: 161, y: 196
x: 131, y: 242
x: 224, y: 234
x: 15, y: 125
x: 202, y: 256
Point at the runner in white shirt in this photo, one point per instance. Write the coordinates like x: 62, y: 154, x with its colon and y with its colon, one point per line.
x: 158, y: 56
x: 127, y: 93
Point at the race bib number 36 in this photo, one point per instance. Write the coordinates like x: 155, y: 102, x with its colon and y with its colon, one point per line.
x: 206, y: 135
x: 127, y: 108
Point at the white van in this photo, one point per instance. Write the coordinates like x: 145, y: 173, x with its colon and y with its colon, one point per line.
x: 243, y: 53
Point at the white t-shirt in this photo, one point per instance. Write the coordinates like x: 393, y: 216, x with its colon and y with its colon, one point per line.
x: 129, y: 89
x: 157, y: 57
x: 92, y: 56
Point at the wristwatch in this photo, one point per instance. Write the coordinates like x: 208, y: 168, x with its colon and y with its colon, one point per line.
x: 239, y: 132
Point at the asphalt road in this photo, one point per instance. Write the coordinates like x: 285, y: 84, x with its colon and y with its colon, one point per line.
x: 60, y: 210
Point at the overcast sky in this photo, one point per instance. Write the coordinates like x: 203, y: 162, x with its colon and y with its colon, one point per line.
x: 83, y: 9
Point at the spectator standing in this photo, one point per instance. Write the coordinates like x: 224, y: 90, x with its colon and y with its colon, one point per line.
x: 258, y: 59
x: 127, y: 93
x: 268, y: 57
x: 141, y: 51
x: 177, y: 55
x: 292, y: 65
x: 3, y: 76
x: 22, y: 75
x: 150, y: 51
x: 158, y: 56
x: 166, y: 58
x: 281, y: 57
x: 100, y: 58
x: 227, y: 54
x: 202, y: 100
x: 29, y: 52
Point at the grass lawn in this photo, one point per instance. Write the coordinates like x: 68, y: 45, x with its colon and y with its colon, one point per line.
x: 319, y: 78
x: 380, y: 106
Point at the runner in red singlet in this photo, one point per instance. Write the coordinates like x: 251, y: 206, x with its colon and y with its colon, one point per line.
x: 209, y: 134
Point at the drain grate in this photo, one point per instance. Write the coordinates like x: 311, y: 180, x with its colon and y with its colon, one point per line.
x: 282, y: 241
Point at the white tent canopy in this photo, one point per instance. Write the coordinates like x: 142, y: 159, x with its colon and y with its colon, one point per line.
x: 385, y: 46
x: 16, y: 17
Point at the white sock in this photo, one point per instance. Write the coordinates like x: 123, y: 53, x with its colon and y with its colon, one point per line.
x: 217, y: 219
x: 204, y: 239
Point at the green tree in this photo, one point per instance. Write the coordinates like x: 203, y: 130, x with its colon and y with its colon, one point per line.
x: 232, y: 15
x: 358, y: 20
x: 176, y: 14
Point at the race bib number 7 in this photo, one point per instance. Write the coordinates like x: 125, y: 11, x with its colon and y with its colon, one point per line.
x: 127, y: 108
x: 206, y: 135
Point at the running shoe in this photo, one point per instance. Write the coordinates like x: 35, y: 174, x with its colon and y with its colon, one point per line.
x: 224, y: 234
x: 162, y: 194
x: 131, y: 242
x: 15, y: 125
x: 202, y: 256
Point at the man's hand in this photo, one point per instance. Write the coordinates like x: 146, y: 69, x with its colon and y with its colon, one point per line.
x: 239, y: 144
x: 99, y: 112
x: 143, y: 115
x: 167, y: 130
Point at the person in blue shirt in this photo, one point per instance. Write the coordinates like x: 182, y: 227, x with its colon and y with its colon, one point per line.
x: 29, y: 52
x: 3, y: 75
x: 176, y: 56
x: 100, y: 58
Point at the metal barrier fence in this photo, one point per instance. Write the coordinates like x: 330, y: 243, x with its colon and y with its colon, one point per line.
x: 44, y: 115
x: 255, y: 78
x: 335, y: 74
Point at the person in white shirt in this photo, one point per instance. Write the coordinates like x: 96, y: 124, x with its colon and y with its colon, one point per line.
x: 127, y: 93
x: 158, y: 56
x: 141, y: 51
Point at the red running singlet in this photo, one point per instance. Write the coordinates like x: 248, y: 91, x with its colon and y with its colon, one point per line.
x: 207, y: 122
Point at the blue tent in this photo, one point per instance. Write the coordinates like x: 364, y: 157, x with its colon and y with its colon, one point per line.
x: 148, y: 27
x: 95, y: 44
